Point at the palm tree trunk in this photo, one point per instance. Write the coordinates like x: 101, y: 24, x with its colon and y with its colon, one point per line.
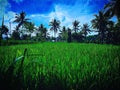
x: 0, y: 39
x: 55, y: 36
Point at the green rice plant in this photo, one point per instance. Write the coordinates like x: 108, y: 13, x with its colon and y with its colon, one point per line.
x: 62, y: 66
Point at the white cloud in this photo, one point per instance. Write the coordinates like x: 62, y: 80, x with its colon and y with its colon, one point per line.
x: 65, y: 14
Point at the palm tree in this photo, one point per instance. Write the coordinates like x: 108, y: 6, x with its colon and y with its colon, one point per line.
x: 20, y: 19
x: 85, y: 30
x: 63, y: 33
x: 76, y: 26
x: 41, y: 28
x: 3, y: 30
x: 29, y: 26
x: 42, y: 32
x: 116, y: 33
x: 55, y: 26
x: 39, y: 31
x: 69, y: 36
x: 100, y: 23
x: 113, y: 8
x: 110, y: 30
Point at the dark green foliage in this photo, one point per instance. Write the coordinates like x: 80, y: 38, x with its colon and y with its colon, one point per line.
x: 16, y: 35
x: 85, y: 30
x: 116, y: 34
x: 76, y: 26
x: 4, y: 29
x: 42, y: 33
x: 77, y: 37
x: 29, y: 26
x: 63, y: 34
x: 20, y: 19
x: 100, y: 23
x: 92, y: 39
x: 69, y: 36
x: 25, y: 37
x: 112, y: 8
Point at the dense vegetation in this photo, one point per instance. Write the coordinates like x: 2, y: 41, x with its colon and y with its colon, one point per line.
x: 108, y: 31
x: 60, y: 66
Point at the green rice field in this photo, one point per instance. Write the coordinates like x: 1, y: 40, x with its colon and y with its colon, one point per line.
x: 60, y: 66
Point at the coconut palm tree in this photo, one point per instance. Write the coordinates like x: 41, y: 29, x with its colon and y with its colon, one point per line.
x: 69, y: 36
x: 20, y: 19
x: 63, y: 33
x: 39, y: 31
x: 42, y: 31
x: 110, y: 30
x: 113, y: 8
x: 116, y: 33
x: 3, y: 30
x: 100, y: 23
x: 41, y: 28
x: 85, y: 30
x: 29, y: 26
x: 55, y: 26
x: 76, y: 26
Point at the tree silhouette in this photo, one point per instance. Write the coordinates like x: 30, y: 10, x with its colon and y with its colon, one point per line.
x: 42, y: 32
x: 3, y: 29
x: 69, y: 36
x: 20, y: 19
x: 85, y: 30
x: 63, y: 33
x: 112, y: 8
x: 55, y: 26
x: 76, y: 26
x: 110, y: 30
x: 100, y: 23
x: 29, y: 26
x: 116, y: 33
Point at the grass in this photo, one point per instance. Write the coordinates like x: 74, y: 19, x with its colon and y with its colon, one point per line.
x: 60, y: 66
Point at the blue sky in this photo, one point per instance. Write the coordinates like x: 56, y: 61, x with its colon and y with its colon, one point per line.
x: 43, y: 11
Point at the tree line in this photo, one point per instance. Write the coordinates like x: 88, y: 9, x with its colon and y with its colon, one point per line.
x: 108, y: 31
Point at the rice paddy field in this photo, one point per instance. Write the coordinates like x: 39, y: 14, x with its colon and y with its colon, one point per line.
x: 60, y: 66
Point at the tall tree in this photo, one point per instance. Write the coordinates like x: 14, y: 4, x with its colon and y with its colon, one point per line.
x: 29, y: 26
x: 3, y: 29
x: 100, y: 23
x: 63, y: 33
x: 85, y: 30
x: 110, y: 30
x: 42, y: 32
x: 20, y: 19
x: 69, y: 36
x: 55, y: 26
x: 76, y: 26
x: 116, y: 33
x: 16, y: 34
x: 113, y: 8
